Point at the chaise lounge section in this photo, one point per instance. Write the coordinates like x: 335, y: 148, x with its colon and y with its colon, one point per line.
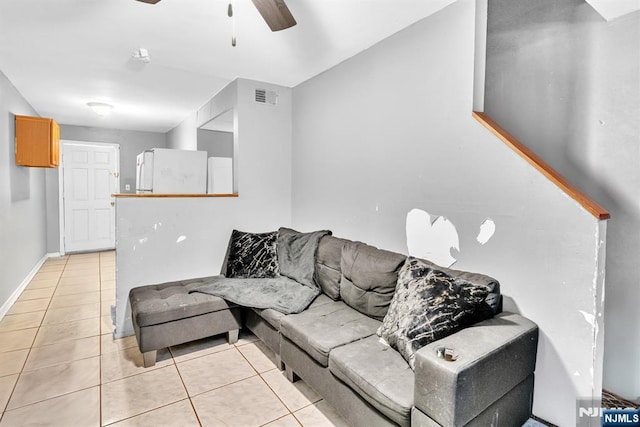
x: 167, y: 314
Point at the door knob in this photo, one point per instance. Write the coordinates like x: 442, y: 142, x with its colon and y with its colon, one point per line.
x: 113, y: 203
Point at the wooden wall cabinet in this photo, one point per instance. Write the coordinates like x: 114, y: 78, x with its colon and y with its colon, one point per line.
x: 37, y: 142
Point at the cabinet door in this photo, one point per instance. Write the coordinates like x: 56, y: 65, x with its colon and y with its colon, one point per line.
x: 54, y: 161
x: 37, y: 142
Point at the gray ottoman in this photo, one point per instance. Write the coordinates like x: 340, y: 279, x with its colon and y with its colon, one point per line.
x: 167, y: 314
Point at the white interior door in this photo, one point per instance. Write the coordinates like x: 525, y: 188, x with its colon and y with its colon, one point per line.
x: 90, y: 178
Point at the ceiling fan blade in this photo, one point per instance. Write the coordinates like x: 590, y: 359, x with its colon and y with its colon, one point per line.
x: 275, y: 13
x: 149, y: 1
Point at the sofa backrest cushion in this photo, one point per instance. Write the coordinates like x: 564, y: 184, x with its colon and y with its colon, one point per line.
x: 493, y: 299
x: 328, y: 271
x: 369, y: 277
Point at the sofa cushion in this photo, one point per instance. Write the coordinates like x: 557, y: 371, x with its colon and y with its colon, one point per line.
x: 155, y: 304
x: 323, y: 327
x: 493, y: 298
x: 378, y: 374
x: 252, y: 255
x: 369, y: 277
x: 328, y: 271
x: 429, y: 305
x: 273, y: 317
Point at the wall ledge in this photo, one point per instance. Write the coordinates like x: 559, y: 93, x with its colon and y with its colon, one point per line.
x: 572, y: 191
x: 156, y: 196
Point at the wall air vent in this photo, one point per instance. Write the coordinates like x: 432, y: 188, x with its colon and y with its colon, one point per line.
x: 264, y: 96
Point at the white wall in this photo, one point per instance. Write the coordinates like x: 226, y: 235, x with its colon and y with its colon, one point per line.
x: 567, y: 84
x: 391, y: 130
x: 165, y: 239
x: 185, y: 135
x: 22, y: 202
x: 148, y: 253
x: 261, y: 143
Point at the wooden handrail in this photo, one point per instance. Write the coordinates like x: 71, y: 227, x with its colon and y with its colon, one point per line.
x: 591, y: 206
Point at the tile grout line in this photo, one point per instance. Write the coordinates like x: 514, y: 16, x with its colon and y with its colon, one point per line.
x: 101, y: 347
x: 285, y: 405
x: 269, y: 387
x: 278, y: 397
x: 49, y: 398
x: 47, y: 310
x: 100, y: 339
x: 13, y: 389
x: 186, y: 390
x: 146, y: 412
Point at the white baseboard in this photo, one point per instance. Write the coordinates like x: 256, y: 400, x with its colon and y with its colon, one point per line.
x: 16, y: 294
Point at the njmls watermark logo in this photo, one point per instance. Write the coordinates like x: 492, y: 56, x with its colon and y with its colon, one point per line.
x: 591, y: 414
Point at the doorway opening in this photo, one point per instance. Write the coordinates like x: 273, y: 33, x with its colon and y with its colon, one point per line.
x: 89, y: 176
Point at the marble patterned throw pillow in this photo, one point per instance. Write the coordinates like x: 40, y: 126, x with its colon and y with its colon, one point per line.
x: 428, y: 305
x: 252, y: 255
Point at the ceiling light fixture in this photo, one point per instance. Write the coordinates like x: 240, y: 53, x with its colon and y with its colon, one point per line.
x: 100, y: 108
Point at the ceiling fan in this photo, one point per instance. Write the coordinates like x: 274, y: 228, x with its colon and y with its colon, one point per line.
x: 274, y: 12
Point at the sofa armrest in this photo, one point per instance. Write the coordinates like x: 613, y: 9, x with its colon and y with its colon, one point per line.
x: 493, y: 357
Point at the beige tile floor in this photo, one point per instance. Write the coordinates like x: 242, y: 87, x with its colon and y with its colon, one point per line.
x: 59, y: 365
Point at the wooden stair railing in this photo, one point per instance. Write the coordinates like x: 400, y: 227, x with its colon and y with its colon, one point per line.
x: 591, y: 206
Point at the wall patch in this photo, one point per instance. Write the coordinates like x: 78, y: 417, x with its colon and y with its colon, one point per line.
x: 431, y: 238
x: 487, y: 229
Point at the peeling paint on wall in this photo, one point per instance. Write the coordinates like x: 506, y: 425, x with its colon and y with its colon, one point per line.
x: 487, y: 229
x: 590, y: 318
x: 431, y: 238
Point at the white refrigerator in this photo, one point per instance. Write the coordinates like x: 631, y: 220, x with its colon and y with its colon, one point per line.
x: 220, y: 175
x: 168, y: 171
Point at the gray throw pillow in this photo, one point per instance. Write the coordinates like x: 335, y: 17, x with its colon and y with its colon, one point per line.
x: 252, y: 255
x: 428, y: 305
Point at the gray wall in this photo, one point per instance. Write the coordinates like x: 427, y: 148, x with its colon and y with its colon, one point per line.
x: 215, y: 143
x: 390, y: 130
x: 567, y: 84
x: 131, y: 144
x: 22, y: 202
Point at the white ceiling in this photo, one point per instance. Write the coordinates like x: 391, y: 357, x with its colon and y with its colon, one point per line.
x: 612, y: 9
x: 61, y: 54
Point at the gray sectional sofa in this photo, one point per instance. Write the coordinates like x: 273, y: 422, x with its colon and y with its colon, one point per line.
x: 479, y: 376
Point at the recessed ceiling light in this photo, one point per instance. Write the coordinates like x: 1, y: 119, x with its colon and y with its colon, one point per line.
x: 100, y: 108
